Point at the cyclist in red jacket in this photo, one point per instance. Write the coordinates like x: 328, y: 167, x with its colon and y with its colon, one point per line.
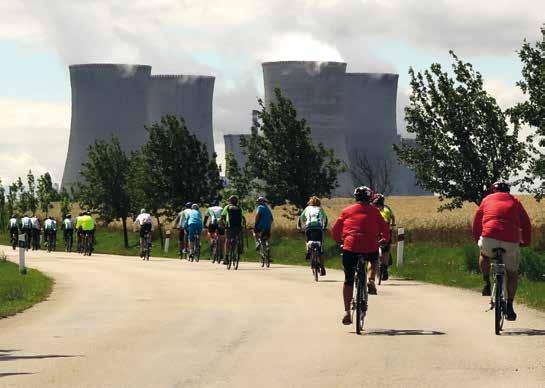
x: 502, y: 222
x: 359, y: 228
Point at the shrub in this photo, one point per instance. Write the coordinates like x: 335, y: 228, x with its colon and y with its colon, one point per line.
x: 532, y: 265
x: 471, y: 258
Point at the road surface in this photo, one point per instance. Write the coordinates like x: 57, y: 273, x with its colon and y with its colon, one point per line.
x: 119, y: 322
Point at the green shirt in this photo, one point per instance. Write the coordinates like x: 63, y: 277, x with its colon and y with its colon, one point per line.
x: 313, y: 217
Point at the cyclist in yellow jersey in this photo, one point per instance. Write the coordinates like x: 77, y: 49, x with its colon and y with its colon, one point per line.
x: 86, y: 224
x: 388, y: 215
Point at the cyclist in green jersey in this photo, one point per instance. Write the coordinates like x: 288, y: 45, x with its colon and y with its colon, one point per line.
x: 212, y: 223
x: 233, y: 220
x: 314, y: 221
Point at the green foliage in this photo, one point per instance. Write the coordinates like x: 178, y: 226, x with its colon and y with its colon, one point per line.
x: 105, y: 190
x: 66, y: 202
x: 46, y: 192
x: 239, y: 183
x: 282, y: 159
x: 12, y: 198
x: 3, y: 215
x: 30, y: 193
x: 176, y: 168
x: 532, y: 111
x: 471, y: 258
x: 532, y: 265
x: 23, y: 198
x: 463, y: 142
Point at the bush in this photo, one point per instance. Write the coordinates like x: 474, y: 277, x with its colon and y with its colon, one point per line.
x: 471, y: 258
x: 532, y: 265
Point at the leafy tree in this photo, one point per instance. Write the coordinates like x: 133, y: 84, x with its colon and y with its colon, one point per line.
x: 463, y: 142
x: 46, y: 193
x: 66, y: 202
x: 176, y: 168
x: 31, y: 192
x: 12, y: 198
x: 239, y: 182
x: 532, y: 111
x: 2, y: 206
x: 282, y: 159
x: 23, y: 204
x: 104, y: 189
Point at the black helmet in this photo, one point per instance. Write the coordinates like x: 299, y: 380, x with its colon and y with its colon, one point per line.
x: 233, y: 199
x: 378, y: 200
x: 68, y: 216
x: 363, y: 194
x: 188, y: 205
x: 500, y: 187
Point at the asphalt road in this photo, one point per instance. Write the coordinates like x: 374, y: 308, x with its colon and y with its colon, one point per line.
x: 119, y: 322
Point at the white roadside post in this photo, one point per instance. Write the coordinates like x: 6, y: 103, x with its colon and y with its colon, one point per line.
x: 400, y: 243
x: 167, y: 241
x: 22, y: 248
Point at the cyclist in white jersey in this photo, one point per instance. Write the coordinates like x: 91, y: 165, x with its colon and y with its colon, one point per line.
x: 212, y: 223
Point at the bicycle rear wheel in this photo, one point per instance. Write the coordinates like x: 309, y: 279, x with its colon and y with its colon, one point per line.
x: 360, y: 299
x: 380, y: 271
x: 197, y: 249
x: 315, y: 265
x: 230, y: 256
x: 267, y: 253
x: 236, y: 258
x: 498, y: 305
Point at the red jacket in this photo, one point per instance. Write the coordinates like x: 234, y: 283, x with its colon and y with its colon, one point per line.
x: 502, y: 217
x: 359, y: 228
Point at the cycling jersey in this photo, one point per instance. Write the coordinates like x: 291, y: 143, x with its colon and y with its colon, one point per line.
x: 13, y: 223
x: 359, y: 228
x: 502, y: 217
x: 265, y: 218
x: 183, y: 216
x: 313, y: 217
x: 50, y: 225
x: 35, y: 223
x: 232, y: 215
x: 388, y: 215
x: 143, y: 218
x: 86, y: 223
x: 193, y: 218
x: 25, y: 223
x: 68, y: 224
x: 214, y: 213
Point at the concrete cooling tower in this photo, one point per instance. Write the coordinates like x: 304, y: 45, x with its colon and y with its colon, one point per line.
x: 317, y: 92
x: 232, y: 145
x: 107, y: 99
x: 187, y: 96
x: 118, y: 100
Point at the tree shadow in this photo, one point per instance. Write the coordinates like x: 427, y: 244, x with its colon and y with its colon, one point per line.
x: 15, y: 374
x: 331, y: 281
x: 35, y: 357
x: 523, y: 332
x: 402, y: 285
x: 402, y: 332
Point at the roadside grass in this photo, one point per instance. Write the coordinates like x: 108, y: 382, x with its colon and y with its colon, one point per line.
x: 19, y: 292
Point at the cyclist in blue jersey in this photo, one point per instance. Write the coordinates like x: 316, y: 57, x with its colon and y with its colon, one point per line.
x: 263, y: 221
x: 193, y: 226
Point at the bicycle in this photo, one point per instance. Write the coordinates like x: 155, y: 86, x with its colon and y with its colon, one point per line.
x: 233, y: 253
x: 81, y: 245
x: 315, y: 248
x: 146, y: 246
x: 215, y: 249
x: 497, y: 299
x: 87, y: 244
x: 195, y: 253
x: 51, y: 241
x: 14, y: 240
x: 264, y: 251
x: 359, y: 302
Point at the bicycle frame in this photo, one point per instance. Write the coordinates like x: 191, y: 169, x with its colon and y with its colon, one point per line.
x: 499, y: 290
x: 359, y: 302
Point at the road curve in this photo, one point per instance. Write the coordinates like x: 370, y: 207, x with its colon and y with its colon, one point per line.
x: 116, y: 321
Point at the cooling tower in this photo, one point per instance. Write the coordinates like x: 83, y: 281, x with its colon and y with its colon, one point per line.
x: 187, y: 96
x: 232, y: 145
x: 317, y: 92
x: 107, y: 99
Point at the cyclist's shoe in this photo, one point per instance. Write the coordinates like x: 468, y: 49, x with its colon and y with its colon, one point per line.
x: 510, y: 314
x: 371, y: 289
x: 322, y: 271
x: 347, y: 319
x: 487, y: 290
x: 385, y: 275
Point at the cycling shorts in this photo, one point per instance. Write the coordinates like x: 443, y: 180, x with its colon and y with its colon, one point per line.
x: 263, y: 234
x: 193, y: 231
x: 216, y: 228
x: 511, y: 257
x: 146, y: 228
x: 13, y: 230
x: 350, y: 260
x: 233, y: 232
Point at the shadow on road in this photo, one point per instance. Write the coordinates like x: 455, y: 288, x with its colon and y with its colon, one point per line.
x: 402, y: 332
x: 523, y: 332
x: 402, y: 285
x: 5, y: 357
x: 330, y: 281
x: 15, y: 374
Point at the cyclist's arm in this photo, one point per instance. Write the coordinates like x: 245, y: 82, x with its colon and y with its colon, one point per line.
x: 256, y: 218
x: 337, y: 230
x: 302, y: 219
x: 478, y: 224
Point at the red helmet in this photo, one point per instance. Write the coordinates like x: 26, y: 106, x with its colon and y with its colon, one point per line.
x: 500, y: 187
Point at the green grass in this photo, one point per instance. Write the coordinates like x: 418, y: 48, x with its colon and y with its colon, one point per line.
x: 19, y: 292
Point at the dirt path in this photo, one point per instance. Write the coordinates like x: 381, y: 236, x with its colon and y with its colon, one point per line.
x: 119, y: 322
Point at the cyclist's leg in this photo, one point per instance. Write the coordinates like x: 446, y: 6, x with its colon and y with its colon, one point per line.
x: 486, y: 246
x: 350, y: 260
x: 373, y: 266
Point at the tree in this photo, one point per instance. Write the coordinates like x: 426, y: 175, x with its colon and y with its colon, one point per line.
x: 2, y: 206
x: 282, y: 159
x: 46, y: 193
x: 176, y: 168
x: 23, y: 197
x: 376, y: 173
x: 31, y: 193
x: 463, y: 142
x: 532, y: 111
x: 239, y: 182
x: 104, y: 189
x: 66, y: 202
x: 12, y: 198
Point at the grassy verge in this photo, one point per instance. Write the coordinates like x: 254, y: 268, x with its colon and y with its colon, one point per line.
x: 19, y: 292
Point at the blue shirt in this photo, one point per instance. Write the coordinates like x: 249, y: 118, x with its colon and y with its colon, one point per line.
x: 265, y: 218
x: 193, y: 218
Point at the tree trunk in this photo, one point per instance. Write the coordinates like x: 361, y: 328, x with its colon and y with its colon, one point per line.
x: 160, y: 231
x: 125, y: 235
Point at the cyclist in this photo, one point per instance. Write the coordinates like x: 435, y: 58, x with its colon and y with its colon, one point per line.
x: 79, y: 231
x: 502, y: 222
x: 26, y: 228
x: 179, y: 222
x: 35, y: 233
x: 13, y: 227
x: 68, y: 228
x: 87, y: 225
x: 193, y: 227
x: 234, y: 221
x: 50, y: 230
x: 314, y: 221
x: 143, y: 221
x: 388, y: 215
x: 359, y: 228
x: 211, y: 220
x: 262, y: 221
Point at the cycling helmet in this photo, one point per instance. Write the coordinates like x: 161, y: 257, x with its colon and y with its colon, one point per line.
x: 13, y: 216
x: 378, y: 200
x: 214, y: 202
x: 188, y: 205
x: 68, y: 216
x: 142, y: 210
x: 261, y: 199
x: 500, y: 187
x: 233, y: 199
x: 363, y: 194
x: 195, y: 206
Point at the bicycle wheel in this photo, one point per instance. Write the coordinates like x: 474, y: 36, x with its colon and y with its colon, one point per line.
x: 379, y: 275
x: 197, y: 249
x: 498, y: 305
x: 230, y: 256
x: 236, y: 259
x: 213, y: 250
x: 315, y: 265
x: 360, y: 298
x: 267, y: 253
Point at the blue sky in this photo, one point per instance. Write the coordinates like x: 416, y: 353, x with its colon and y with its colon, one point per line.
x: 39, y: 39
